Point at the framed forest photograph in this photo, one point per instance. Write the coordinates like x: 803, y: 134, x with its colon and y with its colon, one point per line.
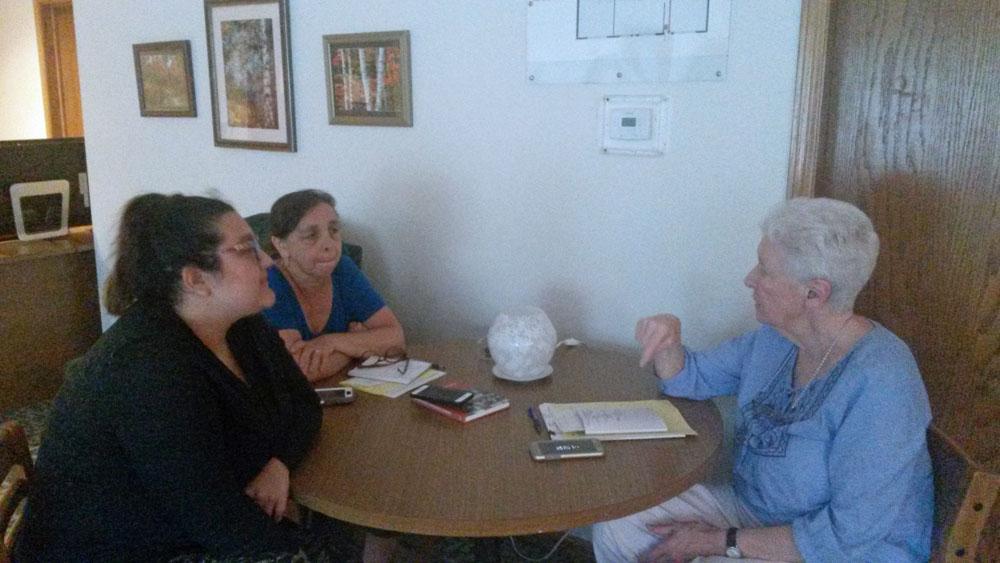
x: 249, y: 62
x: 368, y: 78
x: 163, y: 75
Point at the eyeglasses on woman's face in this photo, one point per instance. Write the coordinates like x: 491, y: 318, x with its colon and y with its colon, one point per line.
x: 246, y: 249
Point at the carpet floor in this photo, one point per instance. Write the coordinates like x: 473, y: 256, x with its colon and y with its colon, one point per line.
x: 468, y: 550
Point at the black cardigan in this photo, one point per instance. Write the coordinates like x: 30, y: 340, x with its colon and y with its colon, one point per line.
x: 153, y: 440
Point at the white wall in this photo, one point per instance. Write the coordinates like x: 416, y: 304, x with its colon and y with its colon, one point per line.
x: 22, y: 113
x: 498, y: 195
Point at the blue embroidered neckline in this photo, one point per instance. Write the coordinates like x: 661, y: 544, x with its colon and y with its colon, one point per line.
x: 766, y: 417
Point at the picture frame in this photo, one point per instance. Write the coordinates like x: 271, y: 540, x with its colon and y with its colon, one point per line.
x: 249, y: 64
x: 368, y: 78
x: 164, y: 79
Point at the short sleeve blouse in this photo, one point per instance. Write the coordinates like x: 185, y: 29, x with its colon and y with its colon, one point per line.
x: 354, y: 300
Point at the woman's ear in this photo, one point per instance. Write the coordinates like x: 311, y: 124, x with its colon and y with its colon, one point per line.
x: 281, y: 246
x: 818, y: 290
x: 194, y: 281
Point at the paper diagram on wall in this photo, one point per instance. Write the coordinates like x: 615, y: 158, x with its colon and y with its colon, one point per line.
x: 612, y: 41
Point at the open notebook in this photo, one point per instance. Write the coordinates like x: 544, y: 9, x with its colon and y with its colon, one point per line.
x: 617, y: 420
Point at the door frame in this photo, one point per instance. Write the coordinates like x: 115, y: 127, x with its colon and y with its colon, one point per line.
x: 55, y: 112
x: 807, y: 108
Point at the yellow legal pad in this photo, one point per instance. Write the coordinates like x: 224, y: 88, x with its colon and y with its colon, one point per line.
x: 615, y: 420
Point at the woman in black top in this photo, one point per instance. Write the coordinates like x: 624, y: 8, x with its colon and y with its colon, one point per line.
x: 177, y: 431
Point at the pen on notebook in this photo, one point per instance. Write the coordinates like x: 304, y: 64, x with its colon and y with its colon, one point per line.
x: 534, y: 420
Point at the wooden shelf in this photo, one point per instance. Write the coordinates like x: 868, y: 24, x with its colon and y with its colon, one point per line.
x: 79, y: 239
x: 50, y: 313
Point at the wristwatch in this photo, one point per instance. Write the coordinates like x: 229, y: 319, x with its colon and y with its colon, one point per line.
x: 732, y: 550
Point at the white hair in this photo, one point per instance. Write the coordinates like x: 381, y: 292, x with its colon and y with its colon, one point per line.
x: 827, y: 239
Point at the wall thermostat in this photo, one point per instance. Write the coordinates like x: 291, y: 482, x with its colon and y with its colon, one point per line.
x: 634, y: 125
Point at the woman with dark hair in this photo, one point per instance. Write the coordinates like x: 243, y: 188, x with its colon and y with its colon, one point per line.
x: 325, y: 309
x: 176, y: 433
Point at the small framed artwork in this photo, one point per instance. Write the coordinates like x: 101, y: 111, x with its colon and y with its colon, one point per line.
x: 368, y: 78
x: 249, y: 63
x: 163, y: 75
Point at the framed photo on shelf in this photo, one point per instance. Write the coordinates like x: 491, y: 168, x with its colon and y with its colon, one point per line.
x: 164, y: 78
x: 368, y: 78
x: 249, y: 62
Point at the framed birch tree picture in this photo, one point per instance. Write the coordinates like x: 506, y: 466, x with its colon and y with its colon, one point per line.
x: 249, y: 60
x: 368, y: 78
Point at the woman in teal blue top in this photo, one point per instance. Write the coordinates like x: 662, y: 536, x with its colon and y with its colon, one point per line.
x: 325, y: 309
x: 830, y: 458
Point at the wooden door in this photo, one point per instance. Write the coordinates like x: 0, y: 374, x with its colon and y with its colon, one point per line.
x: 60, y: 78
x: 911, y: 134
x: 897, y: 112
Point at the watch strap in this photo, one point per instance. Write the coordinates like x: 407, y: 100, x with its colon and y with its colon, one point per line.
x: 732, y: 550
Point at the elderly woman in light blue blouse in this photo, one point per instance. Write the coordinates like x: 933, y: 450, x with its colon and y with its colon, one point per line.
x: 830, y: 460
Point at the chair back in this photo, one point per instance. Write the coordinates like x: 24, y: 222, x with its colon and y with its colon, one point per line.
x: 17, y: 469
x: 964, y: 497
x: 260, y: 224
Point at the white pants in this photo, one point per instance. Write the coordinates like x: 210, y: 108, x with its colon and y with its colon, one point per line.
x: 625, y: 539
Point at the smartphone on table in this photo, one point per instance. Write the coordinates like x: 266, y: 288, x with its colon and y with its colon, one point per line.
x: 335, y: 395
x: 547, y: 450
x: 442, y: 395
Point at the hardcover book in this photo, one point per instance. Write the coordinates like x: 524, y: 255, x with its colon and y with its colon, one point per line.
x: 481, y: 404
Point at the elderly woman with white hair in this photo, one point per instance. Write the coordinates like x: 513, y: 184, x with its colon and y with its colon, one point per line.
x: 830, y: 456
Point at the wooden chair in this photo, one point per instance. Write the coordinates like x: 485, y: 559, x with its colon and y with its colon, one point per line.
x: 16, y: 469
x: 964, y: 496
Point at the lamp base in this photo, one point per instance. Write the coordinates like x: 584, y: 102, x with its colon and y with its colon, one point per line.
x: 540, y: 375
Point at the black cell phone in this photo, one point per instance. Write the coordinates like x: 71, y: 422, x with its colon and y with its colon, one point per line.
x: 442, y: 395
x: 335, y: 395
x: 546, y: 450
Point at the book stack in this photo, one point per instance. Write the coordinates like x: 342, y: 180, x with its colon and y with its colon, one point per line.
x: 481, y: 404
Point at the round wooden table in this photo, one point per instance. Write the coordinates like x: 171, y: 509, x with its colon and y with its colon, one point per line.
x: 390, y: 464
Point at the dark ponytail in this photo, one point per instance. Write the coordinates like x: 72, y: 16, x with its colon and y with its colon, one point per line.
x: 159, y: 235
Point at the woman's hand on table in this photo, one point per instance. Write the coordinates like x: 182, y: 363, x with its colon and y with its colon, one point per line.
x: 311, y: 361
x: 303, y: 352
x: 683, y: 541
x: 313, y: 357
x: 660, y: 339
x: 318, y: 360
x: 269, y: 489
x: 381, y: 334
x: 291, y: 338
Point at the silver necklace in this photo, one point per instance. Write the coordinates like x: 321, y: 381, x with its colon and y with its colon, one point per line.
x: 797, y: 393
